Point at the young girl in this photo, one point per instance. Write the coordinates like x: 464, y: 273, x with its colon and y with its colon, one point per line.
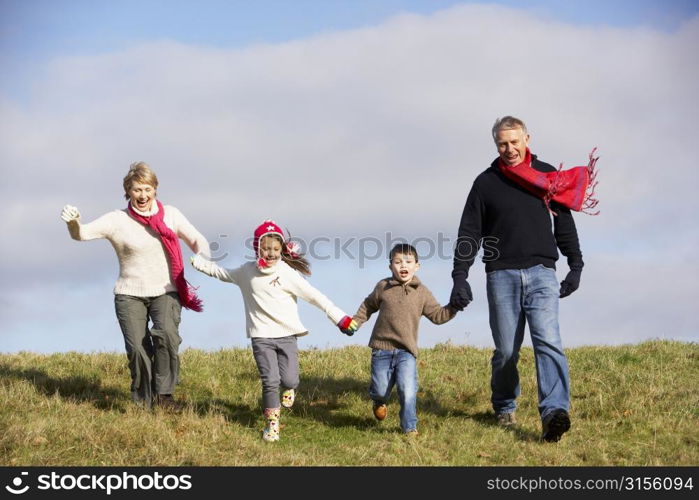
x: 270, y: 287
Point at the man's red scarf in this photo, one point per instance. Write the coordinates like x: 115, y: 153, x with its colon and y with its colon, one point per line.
x: 573, y: 188
x: 186, y: 292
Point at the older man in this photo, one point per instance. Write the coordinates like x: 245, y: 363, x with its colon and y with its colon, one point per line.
x: 510, y: 207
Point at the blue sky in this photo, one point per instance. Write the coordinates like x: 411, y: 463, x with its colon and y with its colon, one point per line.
x: 34, y: 31
x: 362, y: 117
x: 40, y: 29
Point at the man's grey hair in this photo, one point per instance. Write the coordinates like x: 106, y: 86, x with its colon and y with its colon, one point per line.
x: 508, y: 123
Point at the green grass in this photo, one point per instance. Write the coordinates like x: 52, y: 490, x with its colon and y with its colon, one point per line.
x: 631, y: 405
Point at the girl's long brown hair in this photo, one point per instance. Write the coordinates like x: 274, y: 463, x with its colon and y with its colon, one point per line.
x: 298, y: 262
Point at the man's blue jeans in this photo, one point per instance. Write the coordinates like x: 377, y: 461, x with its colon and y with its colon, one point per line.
x: 517, y: 297
x: 397, y: 367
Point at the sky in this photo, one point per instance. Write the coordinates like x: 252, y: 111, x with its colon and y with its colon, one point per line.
x: 354, y: 124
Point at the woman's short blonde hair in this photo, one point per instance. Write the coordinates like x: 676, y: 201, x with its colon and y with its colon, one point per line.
x: 139, y: 172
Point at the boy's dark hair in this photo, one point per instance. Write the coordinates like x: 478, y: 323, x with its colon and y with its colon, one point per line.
x: 405, y: 249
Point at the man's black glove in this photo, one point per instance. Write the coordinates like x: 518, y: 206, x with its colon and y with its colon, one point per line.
x: 461, y: 294
x: 571, y: 282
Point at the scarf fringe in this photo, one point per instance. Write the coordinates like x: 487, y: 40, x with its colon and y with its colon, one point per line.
x: 191, y: 301
x: 589, y: 202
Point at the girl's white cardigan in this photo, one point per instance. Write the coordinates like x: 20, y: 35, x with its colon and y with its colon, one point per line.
x: 270, y: 297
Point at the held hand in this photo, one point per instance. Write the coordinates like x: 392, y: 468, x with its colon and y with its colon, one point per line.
x: 461, y: 295
x: 351, y: 329
x: 570, y: 283
x: 70, y: 213
x: 347, y: 326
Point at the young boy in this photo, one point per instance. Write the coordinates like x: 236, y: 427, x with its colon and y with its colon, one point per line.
x: 401, y: 300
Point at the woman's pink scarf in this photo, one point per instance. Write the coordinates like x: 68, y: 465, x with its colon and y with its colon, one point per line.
x: 573, y: 188
x: 188, y: 297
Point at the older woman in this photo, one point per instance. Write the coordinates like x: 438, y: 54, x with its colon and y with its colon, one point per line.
x: 151, y: 282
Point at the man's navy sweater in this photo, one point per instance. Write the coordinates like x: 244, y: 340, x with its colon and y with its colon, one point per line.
x: 513, y: 226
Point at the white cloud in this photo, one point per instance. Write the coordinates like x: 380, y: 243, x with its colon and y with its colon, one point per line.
x: 362, y: 131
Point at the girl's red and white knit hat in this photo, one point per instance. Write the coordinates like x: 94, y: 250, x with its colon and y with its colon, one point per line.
x: 268, y: 227
x: 265, y: 229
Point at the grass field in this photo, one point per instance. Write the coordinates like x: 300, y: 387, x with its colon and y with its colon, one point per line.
x: 631, y: 405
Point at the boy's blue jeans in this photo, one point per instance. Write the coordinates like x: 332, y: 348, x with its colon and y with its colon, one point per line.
x: 397, y: 367
x: 517, y: 297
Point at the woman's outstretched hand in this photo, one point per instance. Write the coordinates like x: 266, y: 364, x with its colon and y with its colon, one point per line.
x: 70, y: 213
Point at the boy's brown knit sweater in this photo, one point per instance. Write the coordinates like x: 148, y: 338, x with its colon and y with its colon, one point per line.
x: 400, y: 308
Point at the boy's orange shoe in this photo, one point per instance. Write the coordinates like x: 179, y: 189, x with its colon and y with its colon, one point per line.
x: 380, y: 410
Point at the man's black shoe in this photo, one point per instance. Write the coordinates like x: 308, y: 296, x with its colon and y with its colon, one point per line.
x: 555, y: 425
